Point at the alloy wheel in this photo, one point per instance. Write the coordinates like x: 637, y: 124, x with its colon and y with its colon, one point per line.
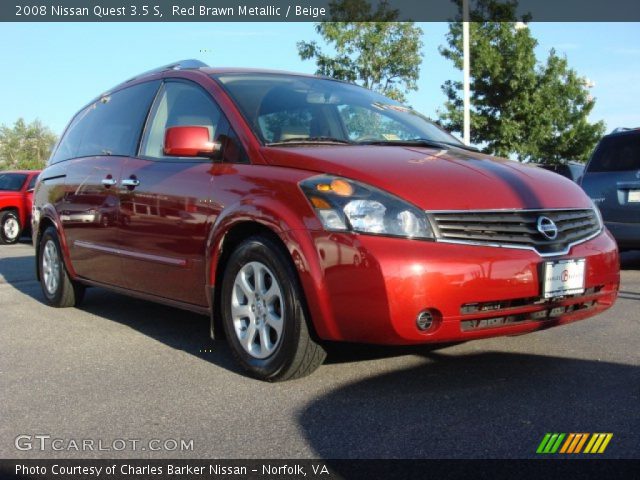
x: 51, y: 267
x: 257, y: 307
x: 11, y: 228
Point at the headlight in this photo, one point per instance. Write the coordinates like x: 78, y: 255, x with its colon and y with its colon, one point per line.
x: 598, y: 213
x: 346, y: 205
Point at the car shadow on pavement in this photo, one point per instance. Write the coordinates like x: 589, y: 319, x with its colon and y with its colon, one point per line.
x: 475, y: 405
x: 343, y: 352
x: 20, y: 273
x: 176, y: 328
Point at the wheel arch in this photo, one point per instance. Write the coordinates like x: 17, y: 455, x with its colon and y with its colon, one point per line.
x: 287, y: 229
x: 233, y: 237
x: 14, y: 209
x: 17, y: 213
x: 48, y: 220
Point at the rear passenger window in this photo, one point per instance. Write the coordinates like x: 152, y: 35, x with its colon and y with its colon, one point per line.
x: 109, y: 126
x: 616, y: 154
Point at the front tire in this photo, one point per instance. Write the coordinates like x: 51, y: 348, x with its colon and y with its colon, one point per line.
x: 10, y: 228
x: 263, y: 313
x: 58, y: 288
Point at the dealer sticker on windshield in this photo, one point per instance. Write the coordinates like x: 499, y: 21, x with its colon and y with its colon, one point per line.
x: 634, y: 196
x: 564, y: 277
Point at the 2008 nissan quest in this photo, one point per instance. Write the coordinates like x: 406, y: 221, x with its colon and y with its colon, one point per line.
x: 294, y: 209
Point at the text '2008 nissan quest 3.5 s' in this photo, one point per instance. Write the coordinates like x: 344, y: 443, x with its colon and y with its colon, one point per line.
x: 294, y: 210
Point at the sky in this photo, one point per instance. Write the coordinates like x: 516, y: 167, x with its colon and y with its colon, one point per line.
x: 53, y: 69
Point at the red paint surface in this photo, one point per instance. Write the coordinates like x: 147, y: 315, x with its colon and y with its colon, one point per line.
x: 357, y: 287
x: 20, y: 201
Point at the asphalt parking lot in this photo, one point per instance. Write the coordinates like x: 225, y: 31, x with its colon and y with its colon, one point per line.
x: 119, y: 368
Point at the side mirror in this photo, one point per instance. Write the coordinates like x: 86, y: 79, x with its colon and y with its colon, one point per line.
x: 190, y: 141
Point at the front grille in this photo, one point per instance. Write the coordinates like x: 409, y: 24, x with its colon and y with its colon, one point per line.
x: 537, y: 316
x: 502, y: 313
x: 516, y: 228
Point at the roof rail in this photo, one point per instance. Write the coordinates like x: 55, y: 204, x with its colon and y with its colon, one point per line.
x: 624, y: 129
x: 179, y: 65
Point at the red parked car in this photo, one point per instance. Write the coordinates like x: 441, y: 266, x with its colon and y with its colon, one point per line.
x: 294, y: 209
x: 16, y: 195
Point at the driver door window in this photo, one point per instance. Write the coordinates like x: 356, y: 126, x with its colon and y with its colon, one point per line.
x: 181, y: 104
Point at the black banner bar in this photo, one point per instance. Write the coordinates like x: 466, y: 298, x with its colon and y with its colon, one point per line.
x: 306, y: 10
x: 121, y: 469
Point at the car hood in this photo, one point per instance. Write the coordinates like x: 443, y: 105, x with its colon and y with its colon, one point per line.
x: 433, y: 179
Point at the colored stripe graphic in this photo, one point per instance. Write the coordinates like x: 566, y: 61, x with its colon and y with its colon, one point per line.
x: 598, y: 442
x: 556, y: 445
x: 581, y: 443
x: 605, y: 443
x: 552, y: 442
x: 567, y: 443
x: 543, y: 443
x: 574, y: 443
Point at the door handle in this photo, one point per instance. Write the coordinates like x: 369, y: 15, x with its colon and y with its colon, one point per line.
x: 109, y: 182
x: 130, y: 182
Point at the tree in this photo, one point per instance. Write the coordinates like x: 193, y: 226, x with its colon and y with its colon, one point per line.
x: 25, y: 146
x: 376, y: 52
x: 520, y: 107
x: 561, y: 106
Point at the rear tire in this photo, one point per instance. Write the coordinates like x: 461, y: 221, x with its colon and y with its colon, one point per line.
x: 10, y: 228
x: 263, y: 313
x: 57, y: 286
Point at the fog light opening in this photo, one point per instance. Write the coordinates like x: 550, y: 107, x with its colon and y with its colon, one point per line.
x: 424, y: 321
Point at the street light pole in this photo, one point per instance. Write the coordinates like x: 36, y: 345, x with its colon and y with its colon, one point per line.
x: 466, y: 127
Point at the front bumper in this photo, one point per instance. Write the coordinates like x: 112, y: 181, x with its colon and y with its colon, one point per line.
x: 373, y: 289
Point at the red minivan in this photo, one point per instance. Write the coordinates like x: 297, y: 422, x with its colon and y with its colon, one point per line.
x: 295, y: 209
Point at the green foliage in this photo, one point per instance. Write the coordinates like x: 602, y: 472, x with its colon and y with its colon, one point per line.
x: 561, y: 105
x: 375, y: 52
x: 25, y: 146
x: 521, y: 107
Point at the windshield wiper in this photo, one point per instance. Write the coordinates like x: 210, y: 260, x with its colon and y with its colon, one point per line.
x: 316, y: 140
x: 419, y: 142
x: 462, y: 146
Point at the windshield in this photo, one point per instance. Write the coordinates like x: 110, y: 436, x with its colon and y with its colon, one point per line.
x: 12, y: 182
x: 289, y: 108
